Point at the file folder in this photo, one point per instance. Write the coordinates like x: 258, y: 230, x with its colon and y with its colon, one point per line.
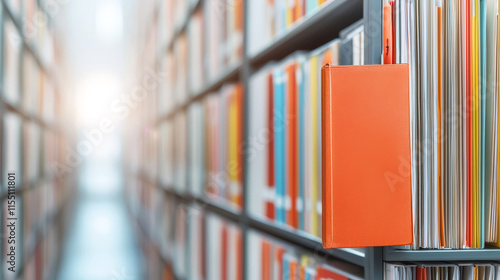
x: 366, y: 156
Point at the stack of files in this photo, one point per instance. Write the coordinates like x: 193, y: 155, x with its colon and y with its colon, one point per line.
x: 284, y: 161
x: 196, y: 52
x: 12, y: 63
x: 442, y: 270
x: 224, y: 36
x: 271, y: 259
x: 269, y: 20
x: 223, y: 117
x: 452, y: 49
x: 224, y: 249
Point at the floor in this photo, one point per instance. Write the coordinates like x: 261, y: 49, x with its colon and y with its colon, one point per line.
x: 100, y: 242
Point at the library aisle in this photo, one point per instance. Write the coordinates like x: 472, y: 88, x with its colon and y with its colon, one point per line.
x: 100, y: 244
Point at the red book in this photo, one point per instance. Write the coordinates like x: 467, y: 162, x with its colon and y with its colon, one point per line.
x: 292, y: 146
x: 324, y: 273
x: 421, y: 273
x: 269, y: 207
x: 279, y: 261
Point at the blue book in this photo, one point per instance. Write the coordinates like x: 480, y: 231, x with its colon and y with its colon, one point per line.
x: 311, y: 5
x: 286, y: 268
x: 279, y: 143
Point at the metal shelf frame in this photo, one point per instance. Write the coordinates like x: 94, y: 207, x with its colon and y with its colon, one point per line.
x: 280, y: 232
x: 464, y: 255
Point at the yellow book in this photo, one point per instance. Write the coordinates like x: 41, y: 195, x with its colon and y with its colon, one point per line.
x: 233, y: 165
x: 289, y: 12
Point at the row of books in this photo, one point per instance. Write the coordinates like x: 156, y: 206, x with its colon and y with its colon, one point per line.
x: 28, y: 149
x: 199, y: 150
x: 181, y: 230
x: 284, y: 158
x: 452, y: 48
x: 202, y: 245
x: 211, y: 45
x: 38, y: 246
x: 273, y: 259
x: 268, y: 20
x: 37, y: 94
x: 172, y: 15
x: 442, y: 270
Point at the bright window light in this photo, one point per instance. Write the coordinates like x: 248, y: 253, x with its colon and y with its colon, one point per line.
x: 109, y: 20
x: 95, y: 96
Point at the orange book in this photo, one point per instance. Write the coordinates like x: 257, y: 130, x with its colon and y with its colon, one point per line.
x: 292, y: 147
x: 388, y: 34
x: 325, y: 273
x: 266, y: 260
x: 293, y: 270
x: 279, y: 261
x: 239, y: 255
x: 421, y: 273
x: 440, y: 142
x: 366, y: 151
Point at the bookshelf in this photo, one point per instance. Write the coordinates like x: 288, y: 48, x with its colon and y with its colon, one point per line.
x: 308, y: 33
x: 327, y: 21
x: 42, y: 198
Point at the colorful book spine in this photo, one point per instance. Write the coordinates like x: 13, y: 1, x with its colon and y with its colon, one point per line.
x: 279, y: 144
